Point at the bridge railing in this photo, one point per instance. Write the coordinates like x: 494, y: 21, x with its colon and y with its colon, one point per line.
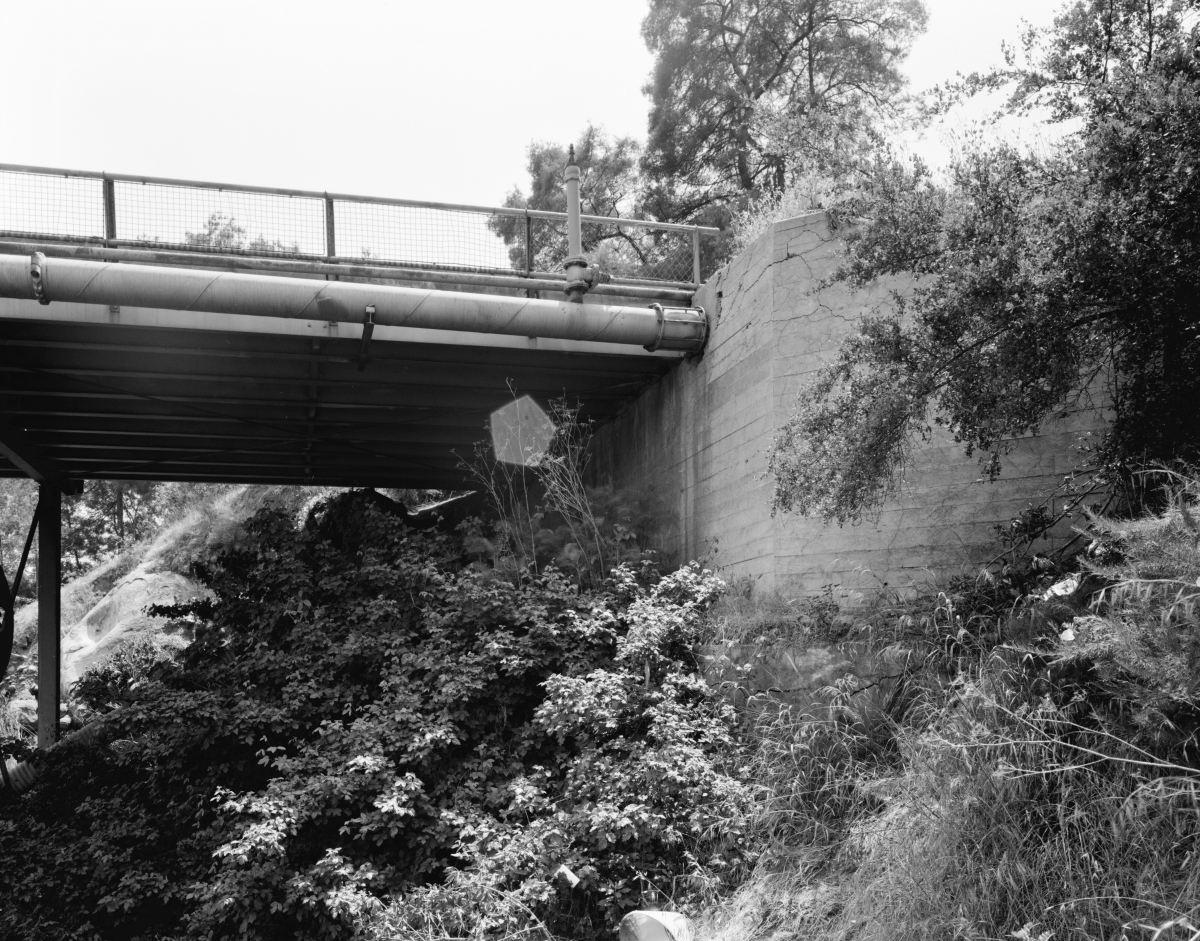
x: 116, y: 210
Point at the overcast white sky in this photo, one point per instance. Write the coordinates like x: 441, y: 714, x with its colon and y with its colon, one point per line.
x: 428, y: 100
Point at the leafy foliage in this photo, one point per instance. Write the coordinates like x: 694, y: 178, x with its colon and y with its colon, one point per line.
x: 610, y: 185
x: 366, y: 728
x: 744, y: 93
x: 108, y: 516
x: 222, y: 232
x: 1035, y: 277
x: 544, y: 515
x: 1031, y: 772
x: 747, y: 98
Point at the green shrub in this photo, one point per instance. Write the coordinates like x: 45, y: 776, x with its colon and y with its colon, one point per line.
x: 369, y: 734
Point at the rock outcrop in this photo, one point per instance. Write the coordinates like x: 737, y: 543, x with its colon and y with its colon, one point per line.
x: 120, y: 619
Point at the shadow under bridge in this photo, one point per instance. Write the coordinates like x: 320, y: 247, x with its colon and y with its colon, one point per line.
x: 254, y: 378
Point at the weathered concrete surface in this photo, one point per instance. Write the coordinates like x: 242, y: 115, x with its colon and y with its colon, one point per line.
x: 703, y: 431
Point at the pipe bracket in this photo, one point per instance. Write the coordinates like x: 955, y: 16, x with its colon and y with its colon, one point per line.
x: 368, y: 332
x: 37, y: 282
x: 662, y: 326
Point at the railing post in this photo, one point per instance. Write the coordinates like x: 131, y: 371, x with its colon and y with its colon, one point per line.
x: 528, y: 243
x: 529, y: 292
x: 110, y: 210
x: 695, y: 255
x: 49, y: 574
x: 330, y: 241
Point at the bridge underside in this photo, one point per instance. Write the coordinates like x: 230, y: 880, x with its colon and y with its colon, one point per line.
x: 167, y: 395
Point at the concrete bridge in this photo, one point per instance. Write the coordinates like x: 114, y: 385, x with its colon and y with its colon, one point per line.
x: 239, y: 352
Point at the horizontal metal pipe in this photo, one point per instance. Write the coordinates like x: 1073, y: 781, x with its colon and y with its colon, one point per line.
x: 92, y: 282
x: 14, y: 241
x: 338, y: 268
x: 350, y: 198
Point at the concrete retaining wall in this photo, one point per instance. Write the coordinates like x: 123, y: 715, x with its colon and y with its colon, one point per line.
x: 701, y: 434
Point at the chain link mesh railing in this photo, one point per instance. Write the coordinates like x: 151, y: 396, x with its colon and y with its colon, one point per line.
x: 218, y: 220
x: 152, y: 213
x: 419, y: 236
x: 36, y: 204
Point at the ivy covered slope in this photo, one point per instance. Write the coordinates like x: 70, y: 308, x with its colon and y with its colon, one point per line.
x: 371, y: 737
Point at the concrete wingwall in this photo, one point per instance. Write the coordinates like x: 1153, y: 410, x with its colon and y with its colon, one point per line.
x: 699, y: 439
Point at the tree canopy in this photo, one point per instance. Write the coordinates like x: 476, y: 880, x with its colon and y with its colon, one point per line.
x: 608, y: 186
x: 611, y: 185
x: 1035, y: 274
x: 742, y: 90
x: 745, y: 95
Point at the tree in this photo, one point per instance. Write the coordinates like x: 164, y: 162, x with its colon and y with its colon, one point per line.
x: 223, y: 233
x: 18, y: 498
x: 96, y: 524
x: 107, y: 517
x: 744, y: 90
x: 609, y: 185
x: 1036, y: 275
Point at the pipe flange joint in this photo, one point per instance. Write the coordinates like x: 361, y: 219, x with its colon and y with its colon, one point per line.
x: 682, y: 316
x: 662, y: 326
x: 582, y: 277
x: 37, y: 277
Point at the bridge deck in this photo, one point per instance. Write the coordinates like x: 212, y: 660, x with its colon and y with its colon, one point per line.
x: 169, y: 395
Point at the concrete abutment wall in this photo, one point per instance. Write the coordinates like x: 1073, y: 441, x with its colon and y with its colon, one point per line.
x: 699, y: 438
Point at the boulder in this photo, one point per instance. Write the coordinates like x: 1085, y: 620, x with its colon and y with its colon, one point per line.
x: 120, y: 619
x: 24, y: 711
x: 655, y: 926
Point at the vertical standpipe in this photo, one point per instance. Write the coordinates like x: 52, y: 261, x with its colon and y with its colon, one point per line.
x: 578, y: 275
x: 574, y: 234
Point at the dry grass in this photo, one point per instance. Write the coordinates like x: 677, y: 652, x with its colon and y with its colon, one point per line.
x: 747, y: 617
x: 11, y: 729
x: 1014, y: 815
x: 1051, y: 791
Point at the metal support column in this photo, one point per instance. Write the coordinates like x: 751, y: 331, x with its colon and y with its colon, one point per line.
x: 696, y: 255
x: 49, y: 612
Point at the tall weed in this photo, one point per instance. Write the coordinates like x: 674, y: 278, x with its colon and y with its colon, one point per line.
x: 543, y: 514
x: 1037, y: 778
